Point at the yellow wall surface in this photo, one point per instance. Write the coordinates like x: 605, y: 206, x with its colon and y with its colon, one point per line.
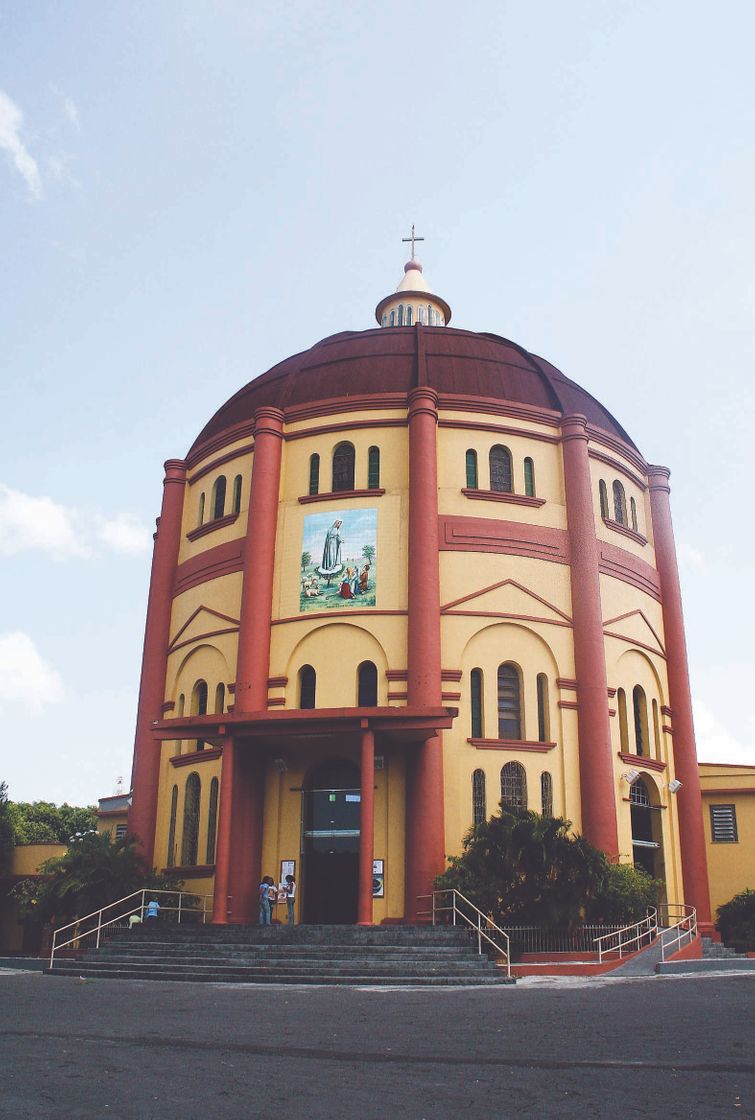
x: 731, y: 866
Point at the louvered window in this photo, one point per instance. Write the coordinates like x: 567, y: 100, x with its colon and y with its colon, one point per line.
x: 723, y: 824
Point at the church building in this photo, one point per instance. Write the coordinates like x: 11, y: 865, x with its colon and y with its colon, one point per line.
x: 399, y: 577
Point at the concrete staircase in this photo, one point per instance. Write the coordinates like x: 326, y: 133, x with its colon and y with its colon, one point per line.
x: 362, y: 955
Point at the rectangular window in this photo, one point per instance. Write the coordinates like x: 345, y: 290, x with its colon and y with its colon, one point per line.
x: 723, y: 824
x: 120, y: 831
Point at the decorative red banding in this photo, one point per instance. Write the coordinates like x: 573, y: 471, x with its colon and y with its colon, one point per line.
x: 196, y: 757
x: 247, y: 449
x: 450, y: 674
x: 573, y: 704
x: 340, y: 495
x: 624, y: 566
x: 211, y: 526
x: 222, y: 560
x: 277, y: 682
x: 276, y: 701
x: 203, y: 637
x: 347, y: 426
x: 511, y: 538
x: 617, y: 527
x: 526, y: 745
x: 499, y: 496
x: 499, y: 429
x: 638, y: 760
x: 308, y: 616
x: 617, y: 466
x: 567, y: 683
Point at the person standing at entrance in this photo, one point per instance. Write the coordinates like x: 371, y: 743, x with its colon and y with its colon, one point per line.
x: 265, y: 901
x: 290, y: 896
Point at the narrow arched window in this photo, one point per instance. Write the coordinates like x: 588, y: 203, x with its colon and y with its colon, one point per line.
x: 212, y: 821
x: 471, y: 470
x: 408, y: 316
x: 171, y: 853
x: 479, y: 806
x: 638, y: 793
x: 179, y: 715
x: 656, y: 730
x: 218, y: 498
x: 500, y: 469
x: 220, y: 698
x: 421, y: 314
x: 385, y: 320
x: 401, y: 314
x: 603, y: 491
x: 307, y: 686
x: 190, y: 834
x: 199, y: 706
x: 475, y: 698
x: 514, y: 785
x: 546, y: 794
x: 314, y: 474
x: 429, y: 315
x: 619, y: 503
x: 640, y: 705
x: 633, y: 513
x: 373, y: 468
x: 393, y: 318
x: 343, y: 467
x: 200, y: 517
x: 367, y: 690
x: 237, y: 494
x: 621, y: 703
x: 543, y: 712
x: 509, y: 702
x: 529, y: 478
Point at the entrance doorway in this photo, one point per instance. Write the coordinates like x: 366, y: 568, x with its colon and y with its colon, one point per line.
x: 330, y: 873
x: 647, y: 848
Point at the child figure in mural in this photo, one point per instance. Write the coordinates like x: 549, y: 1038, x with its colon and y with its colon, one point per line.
x: 364, y: 579
x: 345, y: 590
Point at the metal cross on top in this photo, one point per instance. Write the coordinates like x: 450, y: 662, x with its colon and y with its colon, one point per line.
x: 412, y: 239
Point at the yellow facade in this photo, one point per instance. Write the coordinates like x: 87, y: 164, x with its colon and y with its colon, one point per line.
x: 729, y: 822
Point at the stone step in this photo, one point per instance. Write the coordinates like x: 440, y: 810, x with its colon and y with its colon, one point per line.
x: 212, y: 950
x: 330, y: 935
x: 243, y: 976
x: 275, y: 968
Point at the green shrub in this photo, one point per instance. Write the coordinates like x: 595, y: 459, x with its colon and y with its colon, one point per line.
x: 736, y: 921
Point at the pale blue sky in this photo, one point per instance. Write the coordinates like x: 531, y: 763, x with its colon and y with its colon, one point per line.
x: 191, y: 191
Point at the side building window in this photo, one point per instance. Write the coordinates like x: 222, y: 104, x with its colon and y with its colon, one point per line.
x: 500, y: 469
x: 479, y: 805
x: 509, y: 702
x: 472, y: 483
x: 343, y: 467
x: 723, y: 824
x: 514, y: 785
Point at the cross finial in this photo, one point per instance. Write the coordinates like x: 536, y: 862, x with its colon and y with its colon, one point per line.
x: 412, y: 239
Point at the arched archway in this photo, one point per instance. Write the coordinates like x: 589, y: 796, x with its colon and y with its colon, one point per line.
x: 647, y: 835
x: 332, y: 813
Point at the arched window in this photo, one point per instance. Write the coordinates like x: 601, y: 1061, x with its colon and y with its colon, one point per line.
x: 546, y: 794
x: 393, y: 318
x: 656, y: 730
x: 638, y: 793
x: 401, y: 314
x: 237, y: 494
x: 212, y: 821
x: 373, y: 468
x: 509, y: 702
x: 220, y: 698
x: 408, y: 316
x: 199, y: 706
x: 475, y: 699
x: 385, y: 320
x: 307, y: 686
x: 500, y: 469
x: 218, y: 498
x: 421, y: 314
x: 640, y: 705
x: 619, y: 503
x: 200, y: 516
x: 543, y: 712
x: 367, y: 690
x: 314, y: 474
x: 190, y: 834
x: 633, y: 513
x: 343, y: 467
x: 621, y: 702
x: 429, y: 315
x: 471, y: 470
x: 529, y: 478
x: 603, y: 491
x: 479, y: 807
x: 171, y: 853
x: 514, y: 785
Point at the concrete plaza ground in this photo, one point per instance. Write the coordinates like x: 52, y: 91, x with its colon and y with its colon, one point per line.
x: 131, y: 1050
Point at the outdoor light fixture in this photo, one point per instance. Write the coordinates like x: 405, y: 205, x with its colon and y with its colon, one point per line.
x: 630, y: 776
x: 675, y: 785
x: 280, y: 765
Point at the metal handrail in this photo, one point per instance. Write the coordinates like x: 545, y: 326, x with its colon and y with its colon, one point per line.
x: 634, y: 934
x: 482, y: 932
x: 685, y: 925
x: 96, y: 929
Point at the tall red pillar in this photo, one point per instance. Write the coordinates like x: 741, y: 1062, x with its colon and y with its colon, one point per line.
x: 366, y: 827
x: 596, y: 778
x: 146, y: 769
x: 425, y: 838
x: 688, y: 799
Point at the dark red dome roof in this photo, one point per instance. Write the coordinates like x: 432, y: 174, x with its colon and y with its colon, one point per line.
x: 458, y: 363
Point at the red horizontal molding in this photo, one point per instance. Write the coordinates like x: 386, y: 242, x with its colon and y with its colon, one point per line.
x: 196, y: 757
x: 334, y: 495
x: 276, y: 702
x: 638, y: 761
x: 222, y: 560
x: 498, y: 429
x: 211, y: 526
x: 487, y: 534
x: 570, y: 704
x: 617, y: 466
x: 347, y: 426
x: 228, y: 458
x: 455, y: 696
x: 397, y: 674
x: 411, y: 723
x: 338, y: 615
x: 617, y: 527
x: 398, y: 695
x: 706, y: 791
x: 502, y: 496
x: 511, y: 745
x: 624, y: 566
x: 276, y: 682
x: 450, y: 674
x: 567, y: 683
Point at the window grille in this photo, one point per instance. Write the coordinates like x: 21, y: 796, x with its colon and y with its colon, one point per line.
x: 479, y: 807
x: 619, y: 503
x: 500, y: 469
x: 343, y: 467
x: 546, y: 794
x: 509, y: 703
x: 723, y: 824
x: 120, y: 831
x: 514, y: 785
x: 638, y: 793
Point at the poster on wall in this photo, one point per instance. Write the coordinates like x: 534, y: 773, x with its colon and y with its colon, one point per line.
x: 339, y: 560
x: 378, y: 879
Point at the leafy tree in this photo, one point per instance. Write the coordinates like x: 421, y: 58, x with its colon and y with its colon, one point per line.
x: 7, y: 832
x: 41, y: 822
x: 95, y: 871
x: 306, y: 560
x: 526, y: 869
x: 736, y: 921
x: 368, y: 551
x: 625, y: 896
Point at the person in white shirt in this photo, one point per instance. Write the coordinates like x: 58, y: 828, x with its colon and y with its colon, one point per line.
x: 290, y: 896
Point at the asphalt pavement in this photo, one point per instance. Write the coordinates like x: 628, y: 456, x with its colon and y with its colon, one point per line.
x: 566, y: 1048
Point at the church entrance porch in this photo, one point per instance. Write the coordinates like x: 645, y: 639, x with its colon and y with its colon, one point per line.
x: 331, y: 817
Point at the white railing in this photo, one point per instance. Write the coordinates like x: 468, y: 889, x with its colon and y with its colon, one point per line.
x: 86, y: 932
x: 628, y: 939
x: 680, y: 928
x: 452, y: 907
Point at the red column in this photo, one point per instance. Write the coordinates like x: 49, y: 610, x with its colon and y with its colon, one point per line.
x: 146, y: 767
x: 425, y: 838
x: 253, y: 665
x: 366, y: 828
x: 597, y: 787
x: 221, y: 903
x: 688, y: 799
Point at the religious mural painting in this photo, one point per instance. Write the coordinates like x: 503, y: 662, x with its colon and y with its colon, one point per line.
x: 339, y: 560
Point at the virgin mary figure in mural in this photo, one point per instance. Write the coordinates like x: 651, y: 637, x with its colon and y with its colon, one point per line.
x: 331, y: 553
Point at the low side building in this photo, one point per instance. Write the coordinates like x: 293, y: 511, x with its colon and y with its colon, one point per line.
x: 728, y: 794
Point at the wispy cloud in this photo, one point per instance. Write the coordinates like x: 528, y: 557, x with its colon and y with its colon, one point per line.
x: 11, y: 120
x: 26, y: 680
x: 72, y: 113
x: 715, y: 743
x: 40, y: 524
x: 59, y: 167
